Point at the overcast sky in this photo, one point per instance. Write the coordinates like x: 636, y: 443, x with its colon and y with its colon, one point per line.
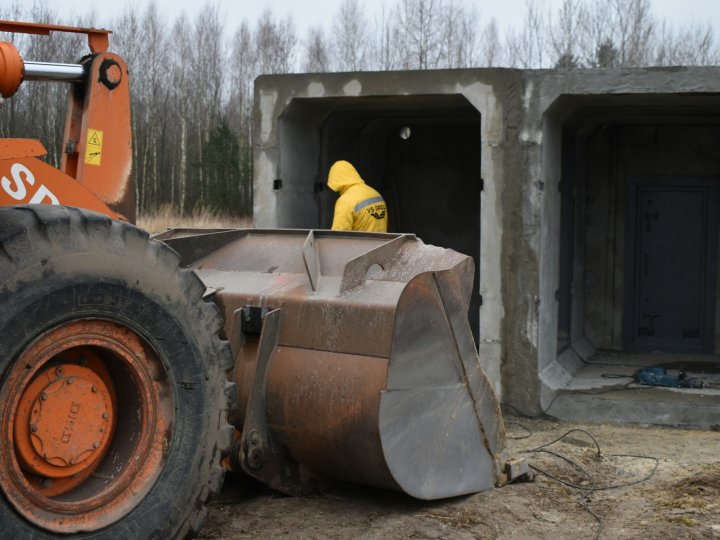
x: 320, y: 12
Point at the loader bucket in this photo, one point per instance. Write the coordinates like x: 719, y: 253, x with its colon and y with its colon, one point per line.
x: 354, y: 357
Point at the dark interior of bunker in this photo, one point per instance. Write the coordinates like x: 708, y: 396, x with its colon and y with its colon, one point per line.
x: 422, y: 153
x: 638, y: 235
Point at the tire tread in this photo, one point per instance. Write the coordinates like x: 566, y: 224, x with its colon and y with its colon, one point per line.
x: 51, y: 229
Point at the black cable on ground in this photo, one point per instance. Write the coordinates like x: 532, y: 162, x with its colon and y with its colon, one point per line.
x: 624, y: 388
x: 585, y: 473
x: 640, y: 481
x: 517, y: 412
x: 616, y: 364
x: 565, y: 435
x: 598, y: 518
x: 520, y: 437
x: 581, y: 501
x: 587, y: 491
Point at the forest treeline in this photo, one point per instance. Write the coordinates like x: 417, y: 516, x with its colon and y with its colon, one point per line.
x: 192, y: 79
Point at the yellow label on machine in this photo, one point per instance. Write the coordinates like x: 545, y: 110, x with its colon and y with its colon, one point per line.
x: 93, y: 147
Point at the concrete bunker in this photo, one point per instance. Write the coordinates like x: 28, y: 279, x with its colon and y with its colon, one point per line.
x: 594, y: 232
x: 422, y: 152
x: 637, y: 249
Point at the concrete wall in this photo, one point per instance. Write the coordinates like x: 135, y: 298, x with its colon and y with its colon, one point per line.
x: 571, y: 102
x: 554, y: 149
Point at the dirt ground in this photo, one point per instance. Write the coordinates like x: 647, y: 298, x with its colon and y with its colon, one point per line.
x: 648, y: 483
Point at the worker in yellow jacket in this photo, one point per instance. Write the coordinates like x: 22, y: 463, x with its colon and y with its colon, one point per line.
x: 359, y: 207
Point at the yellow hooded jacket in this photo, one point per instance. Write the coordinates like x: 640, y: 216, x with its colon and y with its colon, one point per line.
x: 359, y: 207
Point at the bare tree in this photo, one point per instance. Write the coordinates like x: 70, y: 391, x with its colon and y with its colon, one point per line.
x: 422, y: 33
x: 694, y: 45
x: 634, y: 26
x: 317, y: 56
x: 150, y: 105
x: 11, y: 11
x: 526, y: 46
x: 47, y: 122
x: 181, y: 87
x: 245, y: 69
x: 387, y: 45
x: 127, y: 40
x: 239, y: 108
x: 459, y: 30
x: 594, y: 30
x: 616, y: 33
x: 275, y: 44
x: 563, y: 34
x: 490, y: 47
x: 350, y: 40
x: 206, y: 64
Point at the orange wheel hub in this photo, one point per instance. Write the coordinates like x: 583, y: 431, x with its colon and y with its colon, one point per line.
x: 85, y: 426
x: 64, y: 423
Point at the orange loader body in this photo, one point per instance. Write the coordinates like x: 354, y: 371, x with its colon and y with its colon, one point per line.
x: 124, y: 360
x: 96, y: 168
x: 110, y: 329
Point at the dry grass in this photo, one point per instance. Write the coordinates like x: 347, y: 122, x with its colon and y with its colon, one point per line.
x: 166, y: 218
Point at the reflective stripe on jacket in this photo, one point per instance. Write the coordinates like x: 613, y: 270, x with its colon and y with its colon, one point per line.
x: 359, y: 207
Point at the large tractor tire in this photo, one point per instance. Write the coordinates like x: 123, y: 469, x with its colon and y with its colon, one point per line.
x: 112, y: 381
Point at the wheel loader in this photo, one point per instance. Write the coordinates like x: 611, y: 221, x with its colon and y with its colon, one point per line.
x: 135, y: 371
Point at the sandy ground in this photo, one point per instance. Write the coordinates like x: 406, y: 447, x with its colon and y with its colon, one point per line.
x: 673, y: 491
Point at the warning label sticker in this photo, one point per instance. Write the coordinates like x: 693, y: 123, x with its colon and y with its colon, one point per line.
x: 93, y: 147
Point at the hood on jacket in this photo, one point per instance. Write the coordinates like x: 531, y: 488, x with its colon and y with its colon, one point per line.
x: 343, y: 175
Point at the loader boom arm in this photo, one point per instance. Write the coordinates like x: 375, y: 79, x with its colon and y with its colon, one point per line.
x: 97, y: 145
x: 97, y: 38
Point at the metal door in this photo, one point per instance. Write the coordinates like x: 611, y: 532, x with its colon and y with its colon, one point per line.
x: 672, y: 256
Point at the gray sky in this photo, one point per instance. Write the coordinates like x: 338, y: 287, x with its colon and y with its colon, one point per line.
x: 320, y: 12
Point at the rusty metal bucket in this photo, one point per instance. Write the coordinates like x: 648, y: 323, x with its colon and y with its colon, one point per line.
x: 354, y: 357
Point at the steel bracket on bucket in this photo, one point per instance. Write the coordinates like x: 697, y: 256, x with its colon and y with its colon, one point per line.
x: 356, y: 271
x: 252, y: 319
x: 260, y: 456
